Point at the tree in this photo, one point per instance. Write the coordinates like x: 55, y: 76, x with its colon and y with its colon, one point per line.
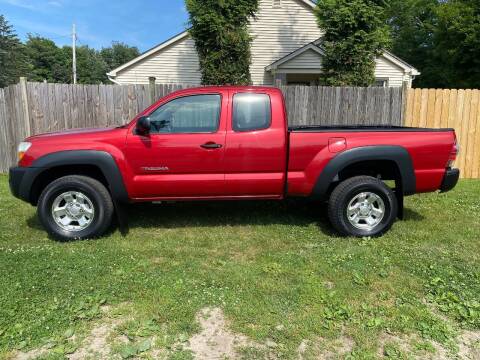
x: 412, y: 24
x: 91, y: 68
x: 355, y: 34
x: 13, y: 62
x: 457, y: 43
x: 440, y: 38
x: 222, y: 40
x: 118, y: 54
x: 48, y: 61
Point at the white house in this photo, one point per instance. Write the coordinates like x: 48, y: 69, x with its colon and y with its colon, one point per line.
x: 285, y: 49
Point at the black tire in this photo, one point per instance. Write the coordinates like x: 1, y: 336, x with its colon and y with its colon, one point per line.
x: 346, y: 191
x: 91, y: 188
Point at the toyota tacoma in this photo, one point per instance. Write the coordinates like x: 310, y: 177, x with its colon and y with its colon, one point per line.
x: 229, y: 143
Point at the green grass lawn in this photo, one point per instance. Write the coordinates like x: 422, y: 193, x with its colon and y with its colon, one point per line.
x: 276, y: 270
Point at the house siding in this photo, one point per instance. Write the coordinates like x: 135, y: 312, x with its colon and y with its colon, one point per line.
x: 277, y: 32
x: 306, y: 61
x: 178, y: 63
x: 385, y: 69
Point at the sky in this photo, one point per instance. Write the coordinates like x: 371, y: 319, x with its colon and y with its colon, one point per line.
x: 140, y: 23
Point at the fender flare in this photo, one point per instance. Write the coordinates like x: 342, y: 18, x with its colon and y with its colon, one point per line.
x: 101, y: 159
x: 397, y: 154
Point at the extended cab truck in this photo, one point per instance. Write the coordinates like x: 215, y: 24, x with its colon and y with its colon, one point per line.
x: 229, y: 143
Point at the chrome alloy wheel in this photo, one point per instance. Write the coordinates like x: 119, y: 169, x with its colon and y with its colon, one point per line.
x: 365, y: 211
x: 73, y: 211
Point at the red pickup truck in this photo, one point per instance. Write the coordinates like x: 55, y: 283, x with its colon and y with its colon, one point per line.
x: 229, y: 143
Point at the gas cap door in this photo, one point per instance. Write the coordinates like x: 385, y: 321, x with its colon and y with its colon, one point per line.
x: 337, y: 144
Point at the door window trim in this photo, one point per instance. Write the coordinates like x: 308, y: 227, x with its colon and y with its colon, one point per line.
x: 233, y: 112
x: 191, y: 133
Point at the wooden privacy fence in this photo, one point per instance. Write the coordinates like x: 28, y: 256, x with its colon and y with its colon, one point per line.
x: 33, y: 108
x: 458, y: 109
x: 318, y: 105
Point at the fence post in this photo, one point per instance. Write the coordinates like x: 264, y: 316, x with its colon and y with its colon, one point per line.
x: 405, y: 88
x: 23, y: 87
x: 152, y: 95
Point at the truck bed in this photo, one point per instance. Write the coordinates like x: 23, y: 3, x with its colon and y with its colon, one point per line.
x: 313, y: 147
x: 368, y: 128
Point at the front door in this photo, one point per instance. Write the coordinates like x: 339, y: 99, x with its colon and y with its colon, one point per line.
x: 183, y: 154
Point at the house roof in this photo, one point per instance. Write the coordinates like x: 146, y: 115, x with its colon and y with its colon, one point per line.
x: 294, y: 54
x: 317, y: 48
x: 169, y: 42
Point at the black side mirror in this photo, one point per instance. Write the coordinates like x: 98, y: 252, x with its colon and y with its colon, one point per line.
x: 143, y: 125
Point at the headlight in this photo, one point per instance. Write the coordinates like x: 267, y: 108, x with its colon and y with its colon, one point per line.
x: 22, y: 149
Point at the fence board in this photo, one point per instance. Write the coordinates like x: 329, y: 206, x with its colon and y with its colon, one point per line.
x: 61, y: 106
x: 458, y: 109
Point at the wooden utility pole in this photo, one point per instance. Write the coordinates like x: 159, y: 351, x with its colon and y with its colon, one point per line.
x: 74, y: 53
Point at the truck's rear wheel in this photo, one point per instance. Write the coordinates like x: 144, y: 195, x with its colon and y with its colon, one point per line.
x: 75, y: 207
x: 362, y: 206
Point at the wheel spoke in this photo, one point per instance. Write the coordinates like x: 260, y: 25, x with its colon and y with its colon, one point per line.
x: 361, y: 197
x: 81, y: 199
x: 372, y: 199
x: 68, y: 197
x: 355, y: 218
x: 87, y: 210
x: 377, y: 212
x: 83, y: 221
x: 65, y: 221
x: 354, y: 207
x: 60, y: 211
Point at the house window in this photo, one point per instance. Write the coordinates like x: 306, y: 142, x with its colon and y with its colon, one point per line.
x: 380, y: 83
x: 277, y: 3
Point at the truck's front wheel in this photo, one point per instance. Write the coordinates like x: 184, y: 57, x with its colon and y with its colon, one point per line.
x: 362, y: 206
x: 75, y: 207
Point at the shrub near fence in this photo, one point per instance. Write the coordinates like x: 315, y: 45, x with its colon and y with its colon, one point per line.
x: 33, y: 108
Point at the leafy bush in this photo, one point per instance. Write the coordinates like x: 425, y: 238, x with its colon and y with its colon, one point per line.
x: 355, y: 34
x: 220, y: 31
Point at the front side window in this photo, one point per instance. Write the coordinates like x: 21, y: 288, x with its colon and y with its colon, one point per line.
x: 189, y: 114
x: 251, y: 112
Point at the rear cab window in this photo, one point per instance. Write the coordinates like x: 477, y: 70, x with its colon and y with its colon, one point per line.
x: 251, y: 112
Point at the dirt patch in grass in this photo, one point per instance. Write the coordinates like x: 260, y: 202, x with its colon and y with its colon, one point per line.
x: 30, y: 355
x: 326, y: 349
x: 468, y: 347
x: 96, y: 344
x: 396, y: 345
x: 215, y: 340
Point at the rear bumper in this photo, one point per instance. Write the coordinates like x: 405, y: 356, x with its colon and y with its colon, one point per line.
x: 18, y: 184
x: 450, y: 180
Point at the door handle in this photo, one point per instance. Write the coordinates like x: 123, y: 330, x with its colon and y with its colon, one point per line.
x: 211, y: 145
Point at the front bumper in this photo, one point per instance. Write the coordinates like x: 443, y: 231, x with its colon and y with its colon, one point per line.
x: 450, y: 180
x: 19, y: 184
